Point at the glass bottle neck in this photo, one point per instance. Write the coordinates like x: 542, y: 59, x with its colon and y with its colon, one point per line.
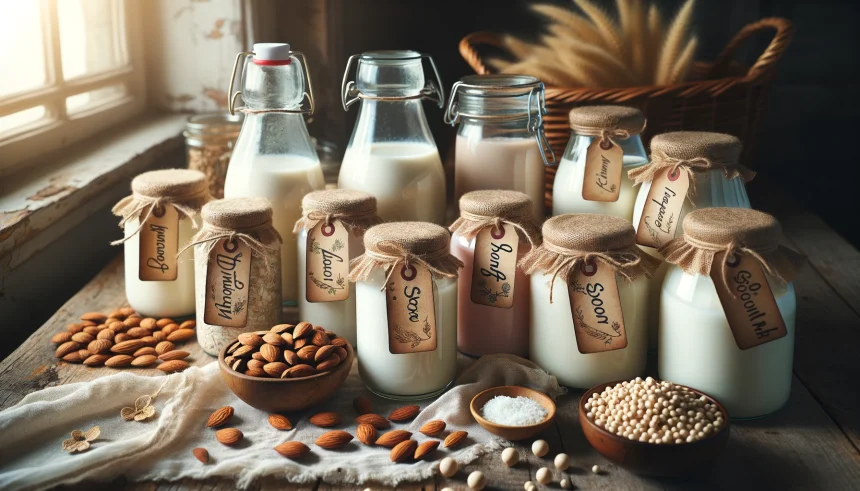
x: 391, y: 121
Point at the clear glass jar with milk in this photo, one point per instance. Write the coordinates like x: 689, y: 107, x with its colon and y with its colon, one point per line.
x: 592, y: 175
x: 589, y: 289
x: 500, y: 140
x: 274, y: 157
x: 406, y: 310
x: 727, y: 316
x: 688, y: 170
x: 392, y: 154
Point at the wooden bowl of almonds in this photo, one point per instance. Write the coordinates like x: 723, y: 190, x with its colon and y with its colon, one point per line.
x: 287, y: 368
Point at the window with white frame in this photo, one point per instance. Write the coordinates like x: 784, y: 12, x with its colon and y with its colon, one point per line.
x: 68, y: 69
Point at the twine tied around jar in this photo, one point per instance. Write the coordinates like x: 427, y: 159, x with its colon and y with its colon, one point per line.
x: 494, y: 208
x: 355, y: 209
x: 609, y: 123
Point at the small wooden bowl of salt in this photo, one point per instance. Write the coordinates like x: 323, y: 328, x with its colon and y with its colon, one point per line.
x: 513, y: 412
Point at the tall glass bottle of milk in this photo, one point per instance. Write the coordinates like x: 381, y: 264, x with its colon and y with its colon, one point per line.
x: 274, y: 157
x: 391, y: 153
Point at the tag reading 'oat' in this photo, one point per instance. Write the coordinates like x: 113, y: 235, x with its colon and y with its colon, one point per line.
x: 411, y: 310
x: 596, y: 308
x: 495, y: 266
x: 327, y: 261
x: 752, y: 312
x: 228, y: 280
x: 602, y: 178
x: 660, y: 216
x: 159, y: 243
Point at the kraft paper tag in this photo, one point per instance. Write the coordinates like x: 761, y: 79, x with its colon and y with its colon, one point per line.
x: 660, y: 216
x: 495, y: 266
x: 752, y: 311
x: 327, y: 261
x: 596, y: 308
x: 411, y: 310
x: 159, y: 244
x: 228, y: 279
x: 603, y: 165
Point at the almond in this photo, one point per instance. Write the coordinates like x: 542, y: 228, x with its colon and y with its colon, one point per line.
x: 164, y: 322
x: 320, y: 339
x: 229, y: 360
x: 288, y: 338
x: 116, y: 325
x: 308, y: 352
x: 164, y: 347
x: 273, y: 339
x: 433, y: 428
x: 455, y: 438
x: 62, y: 337
x: 256, y: 364
x: 94, y: 316
x: 292, y: 450
x: 324, y: 352
x: 143, y: 360
x: 115, y: 314
x: 403, y: 451
x: 404, y: 413
x: 326, y: 365
x: 201, y: 454
x: 275, y: 369
x: 159, y: 336
x: 339, y: 342
x: 168, y: 329
x: 250, y: 339
x: 82, y: 338
x: 426, y: 449
x: 233, y: 347
x: 66, y: 348
x: 181, y: 335
x: 257, y: 356
x: 148, y: 323
x: 270, y: 352
x: 93, y: 330
x: 302, y: 329
x: 300, y: 370
x: 366, y: 434
x: 131, y: 321
x: 280, y: 422
x: 239, y: 365
x: 244, y: 350
x: 127, y: 347
x: 362, y: 405
x: 127, y: 311
x: 219, y: 417
x: 341, y: 353
x: 189, y: 324
x: 300, y: 343
x: 291, y: 357
x: 106, y: 334
x: 375, y: 420
x: 76, y: 356
x: 99, y: 346
x: 139, y: 332
x: 393, y: 437
x: 173, y: 366
x: 325, y: 419
x: 173, y: 355
x: 333, y: 439
x: 146, y: 350
x: 117, y: 361
x: 281, y: 328
x: 229, y: 436
x: 74, y: 328
x: 96, y: 360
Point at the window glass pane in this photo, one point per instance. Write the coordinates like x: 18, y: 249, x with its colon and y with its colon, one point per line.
x: 17, y: 121
x: 91, y: 36
x: 82, y: 102
x: 22, y: 53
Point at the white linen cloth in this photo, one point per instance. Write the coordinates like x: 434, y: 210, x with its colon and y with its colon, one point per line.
x: 160, y: 448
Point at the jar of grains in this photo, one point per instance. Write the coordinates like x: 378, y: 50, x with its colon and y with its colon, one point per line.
x: 589, y: 289
x: 159, y: 215
x: 237, y: 271
x: 406, y: 310
x: 330, y: 234
x: 495, y: 229
x: 728, y: 310
x: 209, y: 139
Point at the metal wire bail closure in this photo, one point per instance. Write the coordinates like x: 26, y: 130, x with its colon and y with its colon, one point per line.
x: 349, y: 93
x: 308, y: 94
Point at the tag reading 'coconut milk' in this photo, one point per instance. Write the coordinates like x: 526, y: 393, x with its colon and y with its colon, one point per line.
x: 662, y: 211
x: 411, y: 310
x: 159, y: 243
x: 327, y: 261
x: 495, y: 266
x: 228, y: 279
x: 602, y: 178
x: 596, y: 308
x: 752, y: 311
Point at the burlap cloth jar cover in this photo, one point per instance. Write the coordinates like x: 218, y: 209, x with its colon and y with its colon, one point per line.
x: 607, y: 122
x: 247, y: 220
x: 492, y: 208
x: 356, y: 209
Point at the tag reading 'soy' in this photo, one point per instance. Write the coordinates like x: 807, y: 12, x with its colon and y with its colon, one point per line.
x: 662, y: 211
x: 159, y: 243
x: 603, y: 164
x: 495, y: 266
x: 752, y: 311
x: 411, y: 310
x: 327, y: 261
x: 596, y: 308
x: 228, y: 280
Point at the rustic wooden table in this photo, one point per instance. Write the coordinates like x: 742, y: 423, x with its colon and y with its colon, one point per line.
x: 812, y: 443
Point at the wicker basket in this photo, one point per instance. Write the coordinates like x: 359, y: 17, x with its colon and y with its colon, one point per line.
x: 720, y: 96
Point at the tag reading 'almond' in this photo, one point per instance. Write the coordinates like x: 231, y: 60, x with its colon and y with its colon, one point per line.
x: 228, y: 280
x: 602, y: 178
x: 411, y: 310
x: 327, y: 261
x: 596, y: 308
x: 495, y: 266
x: 752, y: 311
x: 159, y: 243
x: 662, y: 211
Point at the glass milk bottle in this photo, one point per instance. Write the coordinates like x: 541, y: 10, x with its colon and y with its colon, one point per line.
x: 592, y: 175
x: 691, y: 169
x: 332, y: 229
x: 160, y: 215
x: 496, y: 228
x: 500, y: 141
x: 589, y: 289
x: 406, y: 310
x: 391, y: 153
x: 726, y: 326
x: 274, y: 157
